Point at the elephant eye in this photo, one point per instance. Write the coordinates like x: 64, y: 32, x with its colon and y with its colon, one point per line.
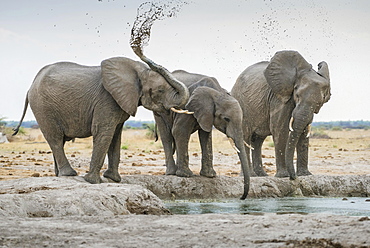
x: 226, y: 119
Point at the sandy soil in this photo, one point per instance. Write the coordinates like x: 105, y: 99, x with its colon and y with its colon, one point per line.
x: 347, y: 152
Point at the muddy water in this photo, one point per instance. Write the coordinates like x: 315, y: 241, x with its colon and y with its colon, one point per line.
x: 340, y: 206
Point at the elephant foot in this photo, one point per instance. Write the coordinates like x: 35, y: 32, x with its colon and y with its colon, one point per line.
x: 114, y: 175
x: 303, y: 173
x: 252, y: 174
x: 93, y: 178
x: 209, y: 172
x: 282, y: 174
x: 66, y: 171
x: 184, y: 172
x: 171, y: 170
x: 56, y: 170
x: 260, y: 173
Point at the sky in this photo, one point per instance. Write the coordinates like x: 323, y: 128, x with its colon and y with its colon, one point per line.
x: 212, y: 37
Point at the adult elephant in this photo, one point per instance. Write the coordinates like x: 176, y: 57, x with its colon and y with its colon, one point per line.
x: 75, y: 101
x: 211, y: 105
x: 279, y: 98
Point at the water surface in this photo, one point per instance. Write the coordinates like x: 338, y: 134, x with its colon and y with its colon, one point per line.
x: 351, y: 206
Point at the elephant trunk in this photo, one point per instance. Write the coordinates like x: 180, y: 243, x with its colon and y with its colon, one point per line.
x: 289, y: 154
x: 182, y: 92
x: 245, y: 165
x: 297, y: 125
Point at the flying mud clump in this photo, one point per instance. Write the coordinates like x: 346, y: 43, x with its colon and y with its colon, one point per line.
x: 147, y: 14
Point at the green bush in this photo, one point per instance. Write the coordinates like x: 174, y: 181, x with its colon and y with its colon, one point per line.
x: 124, y: 147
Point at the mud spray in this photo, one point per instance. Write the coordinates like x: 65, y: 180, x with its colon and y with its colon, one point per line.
x: 147, y: 14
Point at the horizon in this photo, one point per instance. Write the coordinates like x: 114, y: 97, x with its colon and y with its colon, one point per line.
x: 149, y: 120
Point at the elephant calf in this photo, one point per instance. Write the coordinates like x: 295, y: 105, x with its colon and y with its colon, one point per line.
x: 279, y: 98
x: 212, y: 105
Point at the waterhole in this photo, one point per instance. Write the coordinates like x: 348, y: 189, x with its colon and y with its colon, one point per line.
x: 352, y: 206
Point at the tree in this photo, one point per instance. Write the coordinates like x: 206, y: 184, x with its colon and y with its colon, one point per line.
x: 2, y: 123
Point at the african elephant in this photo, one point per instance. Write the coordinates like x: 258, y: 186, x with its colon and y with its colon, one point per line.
x: 212, y: 105
x: 279, y: 98
x: 75, y: 101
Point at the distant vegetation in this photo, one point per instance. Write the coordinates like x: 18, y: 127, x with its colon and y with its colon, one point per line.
x: 26, y: 124
x: 139, y: 124
x: 128, y: 124
x: 340, y: 125
x: 131, y: 124
x: 2, y: 123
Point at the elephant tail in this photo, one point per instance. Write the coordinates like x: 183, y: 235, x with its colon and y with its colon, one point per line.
x: 16, y: 129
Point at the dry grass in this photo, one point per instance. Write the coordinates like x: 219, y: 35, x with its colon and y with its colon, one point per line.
x: 347, y: 152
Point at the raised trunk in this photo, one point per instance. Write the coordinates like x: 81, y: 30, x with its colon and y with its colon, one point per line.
x: 182, y: 96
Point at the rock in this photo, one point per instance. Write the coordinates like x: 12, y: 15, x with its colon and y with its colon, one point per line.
x: 72, y: 196
x: 221, y: 187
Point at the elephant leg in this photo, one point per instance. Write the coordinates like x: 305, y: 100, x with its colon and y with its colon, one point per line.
x: 281, y: 168
x: 54, y: 135
x: 248, y: 140
x: 181, y: 132
x: 168, y: 144
x: 114, y: 156
x: 56, y: 170
x: 61, y: 166
x: 101, y: 144
x: 205, y: 139
x: 257, y: 156
x: 302, y: 155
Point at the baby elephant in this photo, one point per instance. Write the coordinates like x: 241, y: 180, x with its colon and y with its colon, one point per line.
x: 211, y: 105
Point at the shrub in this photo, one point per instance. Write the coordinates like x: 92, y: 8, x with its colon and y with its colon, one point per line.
x: 337, y: 128
x: 319, y: 134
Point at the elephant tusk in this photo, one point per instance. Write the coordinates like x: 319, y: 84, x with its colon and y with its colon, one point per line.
x: 291, y: 124
x: 181, y: 111
x: 249, y: 146
x: 232, y: 143
x: 308, y: 131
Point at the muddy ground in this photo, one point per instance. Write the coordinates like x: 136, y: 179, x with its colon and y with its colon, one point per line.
x: 345, y: 153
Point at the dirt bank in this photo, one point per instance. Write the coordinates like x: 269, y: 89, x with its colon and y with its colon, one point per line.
x: 208, y: 230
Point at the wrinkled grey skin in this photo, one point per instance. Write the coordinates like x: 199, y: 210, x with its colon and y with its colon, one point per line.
x: 270, y: 93
x: 74, y: 101
x: 212, y: 105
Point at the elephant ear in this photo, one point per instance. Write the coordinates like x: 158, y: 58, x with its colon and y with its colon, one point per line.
x: 323, y: 70
x: 202, y: 104
x: 283, y: 71
x: 121, y: 80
